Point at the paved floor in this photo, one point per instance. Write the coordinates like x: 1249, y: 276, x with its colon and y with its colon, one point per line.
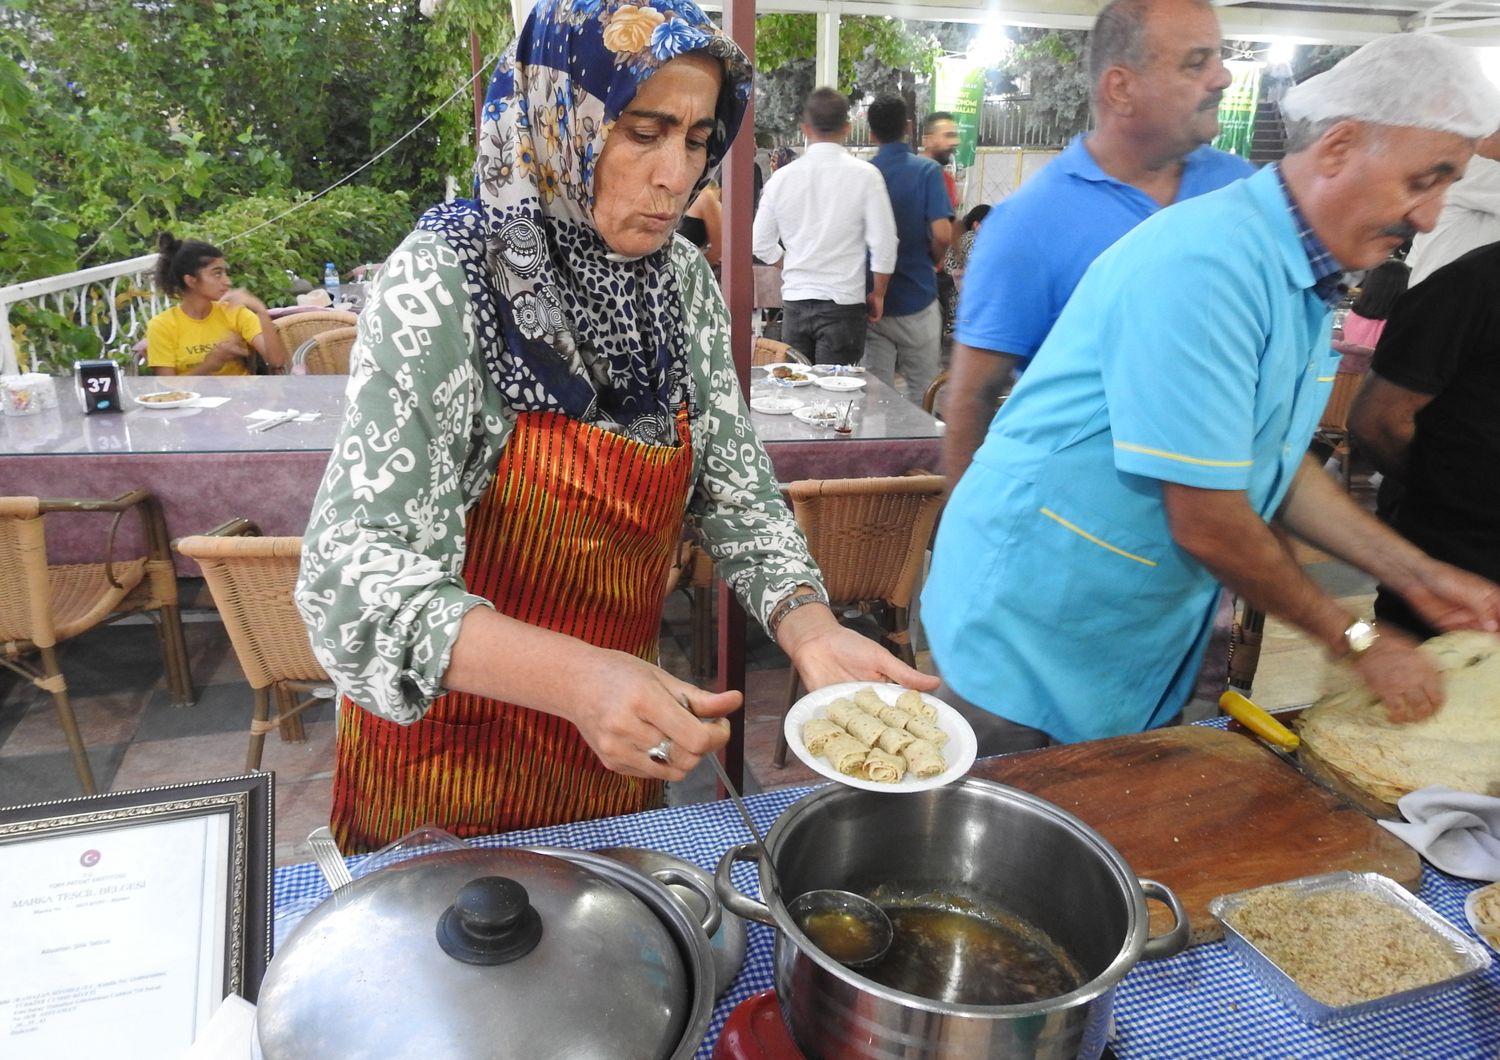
x: 137, y: 739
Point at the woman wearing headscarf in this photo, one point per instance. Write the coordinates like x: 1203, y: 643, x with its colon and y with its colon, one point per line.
x: 541, y: 390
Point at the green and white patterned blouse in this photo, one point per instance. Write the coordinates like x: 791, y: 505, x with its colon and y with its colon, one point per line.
x: 381, y: 584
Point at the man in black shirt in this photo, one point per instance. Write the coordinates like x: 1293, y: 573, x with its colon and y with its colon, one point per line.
x: 1429, y: 416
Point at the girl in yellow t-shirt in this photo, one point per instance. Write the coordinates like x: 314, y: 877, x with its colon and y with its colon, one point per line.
x: 214, y: 328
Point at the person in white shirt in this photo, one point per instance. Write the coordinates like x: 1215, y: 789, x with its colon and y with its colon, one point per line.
x: 828, y: 210
x: 1470, y: 219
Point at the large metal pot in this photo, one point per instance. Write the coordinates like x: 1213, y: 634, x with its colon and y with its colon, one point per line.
x: 444, y: 955
x: 996, y: 847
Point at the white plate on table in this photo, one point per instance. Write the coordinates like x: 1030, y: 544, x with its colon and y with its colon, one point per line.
x: 797, y: 370
x: 817, y: 415
x: 145, y: 400
x: 775, y: 406
x: 958, y: 752
x: 841, y: 382
x: 838, y: 369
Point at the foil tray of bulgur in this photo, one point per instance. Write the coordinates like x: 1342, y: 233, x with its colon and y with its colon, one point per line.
x: 1344, y: 944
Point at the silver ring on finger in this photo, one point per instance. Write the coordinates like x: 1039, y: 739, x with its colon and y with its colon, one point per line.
x: 661, y: 754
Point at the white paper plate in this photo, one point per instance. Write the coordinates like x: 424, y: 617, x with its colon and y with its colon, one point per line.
x: 958, y: 752
x: 801, y: 370
x: 841, y: 382
x: 838, y: 369
x: 145, y: 402
x: 817, y: 415
x: 1493, y: 939
x: 775, y: 406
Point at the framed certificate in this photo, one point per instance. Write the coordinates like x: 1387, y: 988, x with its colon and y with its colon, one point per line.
x: 127, y: 917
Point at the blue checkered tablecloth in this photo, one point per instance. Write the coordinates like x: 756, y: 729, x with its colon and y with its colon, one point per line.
x: 1201, y: 1003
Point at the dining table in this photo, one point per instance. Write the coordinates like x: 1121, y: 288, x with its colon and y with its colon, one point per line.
x: 206, y: 465
x: 1202, y: 1002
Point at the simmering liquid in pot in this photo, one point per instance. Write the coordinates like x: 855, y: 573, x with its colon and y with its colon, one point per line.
x: 842, y: 936
x: 962, y: 958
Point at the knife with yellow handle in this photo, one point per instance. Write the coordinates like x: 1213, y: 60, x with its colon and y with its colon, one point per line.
x: 1283, y: 743
x: 1258, y: 721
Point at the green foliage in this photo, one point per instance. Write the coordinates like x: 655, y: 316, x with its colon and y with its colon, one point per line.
x: 32, y: 236
x: 435, y: 60
x: 349, y: 226
x: 1052, y: 63
x: 876, y: 54
x: 119, y: 118
x: 51, y: 342
x: 780, y: 39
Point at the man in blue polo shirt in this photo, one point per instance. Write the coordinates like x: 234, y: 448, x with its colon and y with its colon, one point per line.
x: 1157, y: 81
x: 909, y: 336
x: 1166, y: 419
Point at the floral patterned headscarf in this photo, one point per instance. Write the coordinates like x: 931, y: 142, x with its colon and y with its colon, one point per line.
x: 566, y: 324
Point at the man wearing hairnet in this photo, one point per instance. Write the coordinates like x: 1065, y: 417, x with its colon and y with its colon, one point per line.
x: 1138, y: 462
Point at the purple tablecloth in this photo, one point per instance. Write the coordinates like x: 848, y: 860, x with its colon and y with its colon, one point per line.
x: 206, y: 467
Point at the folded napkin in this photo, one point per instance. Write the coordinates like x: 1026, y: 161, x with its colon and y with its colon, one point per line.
x: 260, y: 415
x: 204, y: 402
x: 227, y: 1036
x: 1458, y: 831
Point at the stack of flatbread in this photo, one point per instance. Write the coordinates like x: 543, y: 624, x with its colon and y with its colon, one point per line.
x: 1459, y: 746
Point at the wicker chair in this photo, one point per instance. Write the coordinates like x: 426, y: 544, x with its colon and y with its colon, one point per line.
x: 299, y: 329
x: 251, y: 578
x: 43, y: 604
x: 692, y: 571
x: 869, y: 537
x: 769, y: 351
x: 930, y: 396
x: 1333, y: 428
x: 327, y: 353
x: 1244, y: 646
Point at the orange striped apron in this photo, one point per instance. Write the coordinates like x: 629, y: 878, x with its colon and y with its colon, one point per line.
x: 575, y: 535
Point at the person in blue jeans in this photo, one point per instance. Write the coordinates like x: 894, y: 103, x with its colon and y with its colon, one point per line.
x: 908, y: 338
x: 1157, y: 80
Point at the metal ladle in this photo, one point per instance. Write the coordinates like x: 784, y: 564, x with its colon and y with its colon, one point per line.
x: 848, y: 927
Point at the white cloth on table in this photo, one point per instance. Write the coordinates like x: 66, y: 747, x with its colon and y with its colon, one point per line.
x: 227, y: 1036
x: 1458, y: 831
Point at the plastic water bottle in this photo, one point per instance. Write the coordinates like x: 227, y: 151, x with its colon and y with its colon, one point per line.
x: 331, y: 282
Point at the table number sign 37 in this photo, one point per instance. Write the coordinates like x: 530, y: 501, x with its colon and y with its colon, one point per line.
x: 98, y: 384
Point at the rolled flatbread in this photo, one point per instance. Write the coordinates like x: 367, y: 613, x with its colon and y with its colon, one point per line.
x: 865, y: 728
x: 893, y: 740
x: 816, y: 732
x: 923, y: 759
x: 894, y: 716
x: 884, y: 768
x: 846, y: 754
x: 1458, y: 747
x: 912, y: 702
x: 841, y: 710
x: 869, y: 700
x: 926, y: 730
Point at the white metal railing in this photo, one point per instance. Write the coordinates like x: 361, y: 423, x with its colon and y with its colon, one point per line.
x: 114, y: 301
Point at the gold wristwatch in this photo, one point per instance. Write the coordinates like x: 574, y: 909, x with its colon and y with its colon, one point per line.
x: 1360, y: 637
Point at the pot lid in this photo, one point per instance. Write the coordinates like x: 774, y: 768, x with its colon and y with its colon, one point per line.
x: 477, y: 953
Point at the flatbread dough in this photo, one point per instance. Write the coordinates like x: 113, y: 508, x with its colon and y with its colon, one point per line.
x: 1459, y: 746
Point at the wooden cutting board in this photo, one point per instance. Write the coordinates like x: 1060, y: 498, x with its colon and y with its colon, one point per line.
x: 1205, y: 812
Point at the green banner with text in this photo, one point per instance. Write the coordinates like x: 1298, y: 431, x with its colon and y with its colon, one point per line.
x: 958, y: 87
x: 1237, y: 108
